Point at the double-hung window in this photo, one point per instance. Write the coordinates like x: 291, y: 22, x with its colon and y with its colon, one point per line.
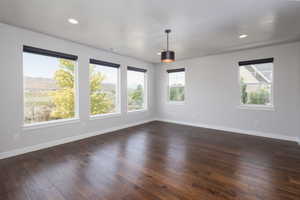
x: 104, y: 88
x: 176, y: 85
x: 256, y: 82
x: 49, y: 85
x: 136, y: 89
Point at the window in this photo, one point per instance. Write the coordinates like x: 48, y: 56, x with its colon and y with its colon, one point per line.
x: 104, y: 88
x: 256, y: 82
x: 49, y: 85
x: 176, y: 85
x: 136, y: 89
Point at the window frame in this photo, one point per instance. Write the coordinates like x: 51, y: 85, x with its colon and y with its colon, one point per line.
x: 270, y: 107
x: 118, y: 90
x: 53, y: 54
x: 145, y: 104
x: 175, y: 70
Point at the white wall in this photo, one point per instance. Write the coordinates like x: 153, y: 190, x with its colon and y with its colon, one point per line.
x: 12, y: 135
x: 212, y: 93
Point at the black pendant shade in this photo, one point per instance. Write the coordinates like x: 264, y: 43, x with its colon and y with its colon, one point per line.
x: 167, y: 56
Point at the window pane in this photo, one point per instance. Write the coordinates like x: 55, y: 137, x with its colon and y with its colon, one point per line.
x: 256, y: 84
x: 135, y: 90
x: 103, y: 89
x: 176, y: 86
x: 49, y: 92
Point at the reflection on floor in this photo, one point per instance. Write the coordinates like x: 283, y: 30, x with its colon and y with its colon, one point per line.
x: 157, y: 161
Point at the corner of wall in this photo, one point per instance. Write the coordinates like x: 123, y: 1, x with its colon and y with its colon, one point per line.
x: 156, y: 89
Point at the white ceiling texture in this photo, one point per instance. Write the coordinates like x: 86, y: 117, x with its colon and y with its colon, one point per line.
x: 136, y: 27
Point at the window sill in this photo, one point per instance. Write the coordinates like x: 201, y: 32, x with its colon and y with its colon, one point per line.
x: 138, y: 111
x: 50, y: 123
x: 176, y: 102
x: 256, y: 107
x: 105, y: 116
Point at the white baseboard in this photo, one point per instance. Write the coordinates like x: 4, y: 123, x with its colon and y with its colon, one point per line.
x: 37, y: 147
x: 235, y: 130
x: 20, y: 151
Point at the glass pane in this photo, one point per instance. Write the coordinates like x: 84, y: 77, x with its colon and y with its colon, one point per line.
x: 135, y: 90
x: 176, y: 86
x: 256, y: 84
x: 48, y: 88
x: 103, y: 89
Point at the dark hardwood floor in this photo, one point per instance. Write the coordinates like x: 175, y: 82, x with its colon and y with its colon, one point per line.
x: 157, y: 161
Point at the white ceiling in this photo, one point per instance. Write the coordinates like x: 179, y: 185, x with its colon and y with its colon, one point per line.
x: 136, y: 27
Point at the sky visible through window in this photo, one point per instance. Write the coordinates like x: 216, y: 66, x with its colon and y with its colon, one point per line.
x: 48, y: 88
x: 50, y: 65
x: 176, y: 78
x: 176, y: 86
x: 135, y: 90
x: 110, y: 74
x: 38, y: 66
x: 256, y: 84
x: 134, y: 79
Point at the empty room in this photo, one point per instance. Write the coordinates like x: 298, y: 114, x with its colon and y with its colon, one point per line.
x: 150, y: 100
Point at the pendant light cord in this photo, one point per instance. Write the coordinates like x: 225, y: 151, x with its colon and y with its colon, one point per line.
x: 167, y: 41
x: 167, y: 31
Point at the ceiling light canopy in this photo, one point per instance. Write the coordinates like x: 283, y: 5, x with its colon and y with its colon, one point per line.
x: 167, y: 56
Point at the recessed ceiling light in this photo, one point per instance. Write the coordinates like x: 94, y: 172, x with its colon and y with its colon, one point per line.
x: 72, y: 21
x: 243, y: 36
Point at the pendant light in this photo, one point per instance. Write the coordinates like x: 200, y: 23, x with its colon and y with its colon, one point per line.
x: 167, y: 56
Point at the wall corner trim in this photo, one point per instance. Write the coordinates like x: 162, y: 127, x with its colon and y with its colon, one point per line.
x: 45, y: 145
x: 235, y: 130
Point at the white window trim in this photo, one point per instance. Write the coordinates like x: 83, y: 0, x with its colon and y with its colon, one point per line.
x: 257, y: 106
x: 76, y: 108
x: 137, y: 111
x: 118, y: 100
x: 57, y: 122
x: 105, y: 116
x: 146, y: 96
x: 168, y: 92
x: 145, y: 105
x: 52, y: 123
x: 176, y: 102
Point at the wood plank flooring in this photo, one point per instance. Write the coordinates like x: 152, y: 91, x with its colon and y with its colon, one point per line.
x: 157, y: 161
